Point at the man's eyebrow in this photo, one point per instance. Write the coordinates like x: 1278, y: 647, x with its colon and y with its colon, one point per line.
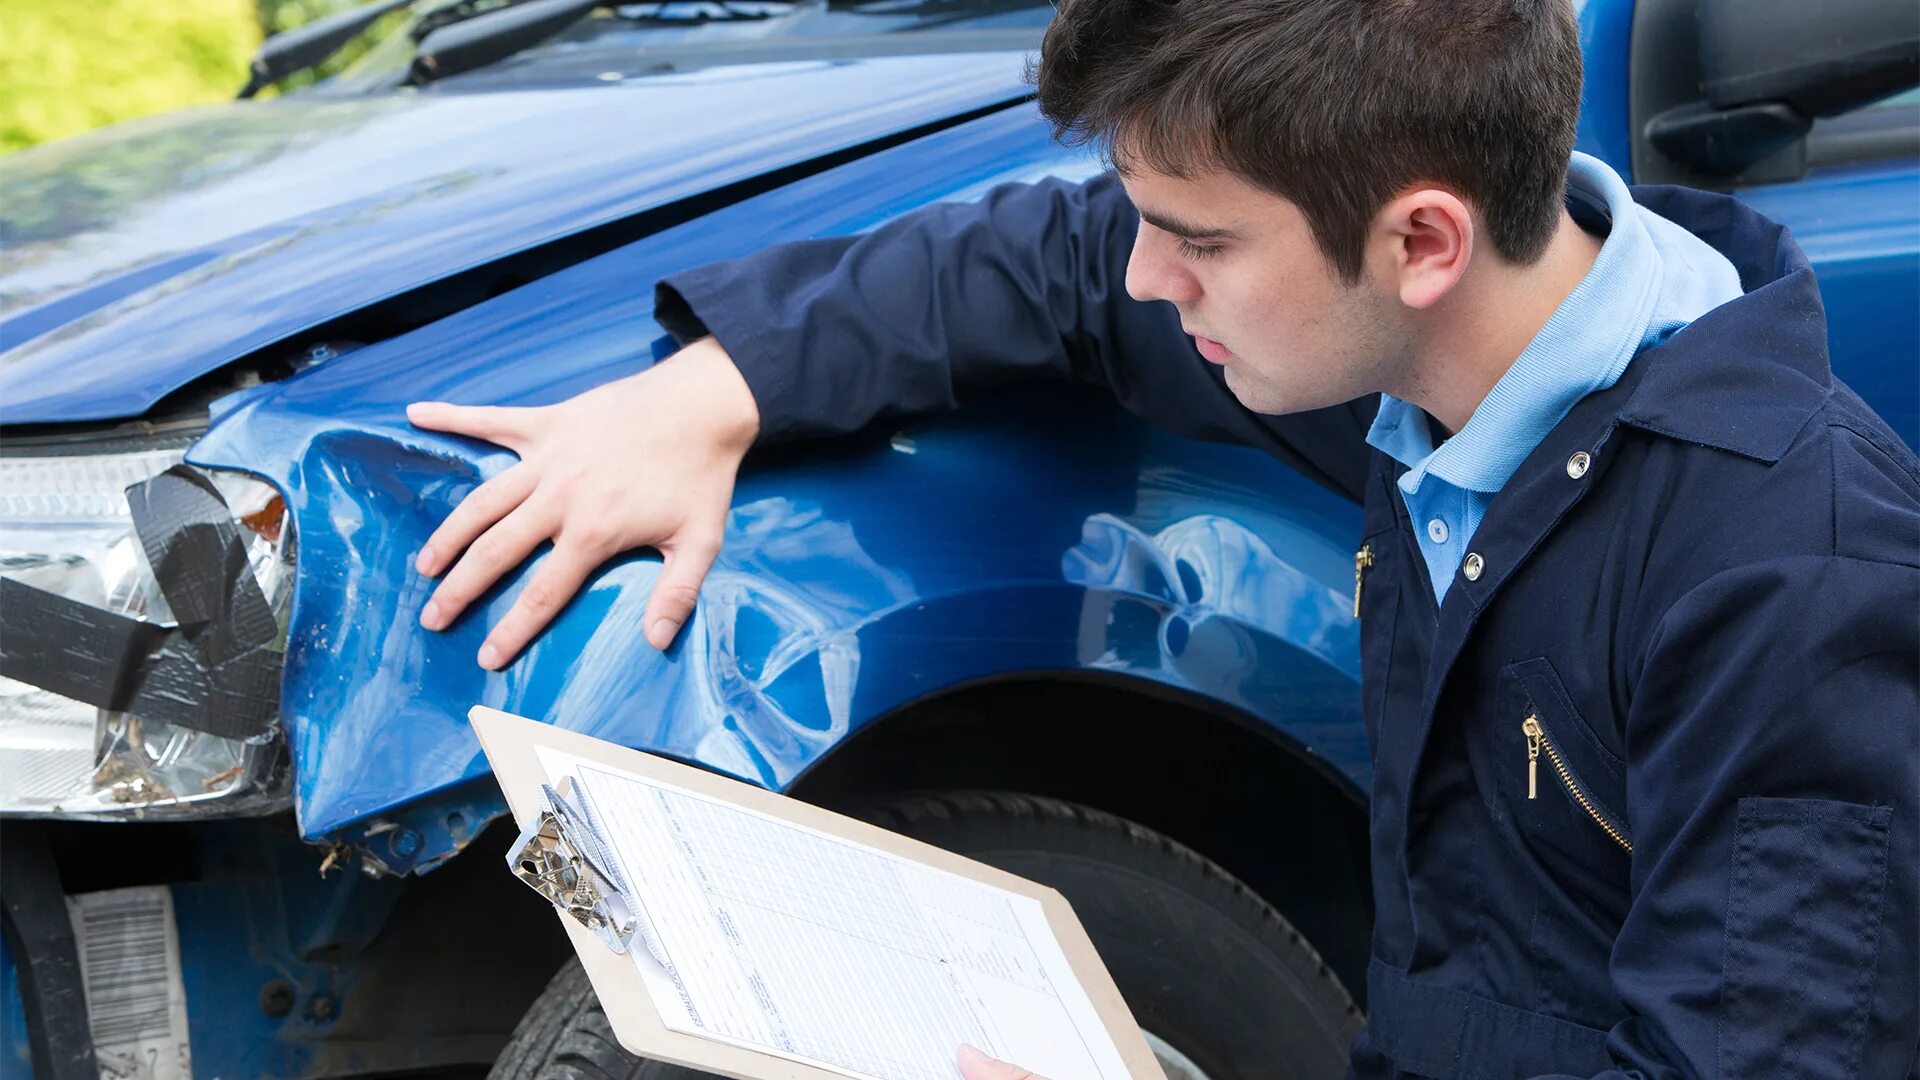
x: 1180, y: 228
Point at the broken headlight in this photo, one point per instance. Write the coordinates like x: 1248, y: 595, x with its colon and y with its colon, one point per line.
x: 142, y: 626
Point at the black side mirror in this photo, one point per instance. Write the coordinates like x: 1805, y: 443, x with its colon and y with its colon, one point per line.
x: 1821, y: 58
x: 1768, y: 68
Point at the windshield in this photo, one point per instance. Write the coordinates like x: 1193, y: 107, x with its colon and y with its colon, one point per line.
x: 635, y: 40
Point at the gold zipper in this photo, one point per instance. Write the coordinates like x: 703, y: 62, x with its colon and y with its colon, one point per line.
x: 1361, y: 560
x: 1537, y: 741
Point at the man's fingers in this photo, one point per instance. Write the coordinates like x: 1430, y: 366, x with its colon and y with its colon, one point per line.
x: 674, y: 592
x: 558, y: 578
x: 482, y: 507
x: 975, y: 1065
x: 494, y: 423
x: 497, y: 551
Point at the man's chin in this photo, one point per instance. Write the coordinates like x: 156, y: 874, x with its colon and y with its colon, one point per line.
x: 1261, y: 396
x: 1269, y: 400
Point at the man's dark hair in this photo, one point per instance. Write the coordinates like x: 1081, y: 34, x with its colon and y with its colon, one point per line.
x: 1335, y: 105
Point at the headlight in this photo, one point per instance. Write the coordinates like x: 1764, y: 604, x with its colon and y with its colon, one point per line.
x: 86, y: 624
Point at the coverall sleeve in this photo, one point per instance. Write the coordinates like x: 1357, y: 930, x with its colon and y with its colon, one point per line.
x: 1029, y: 283
x: 1773, y: 783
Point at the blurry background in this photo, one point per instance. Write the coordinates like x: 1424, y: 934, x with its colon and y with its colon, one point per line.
x: 68, y: 66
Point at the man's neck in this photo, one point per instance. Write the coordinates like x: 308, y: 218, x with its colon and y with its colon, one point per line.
x: 1499, y: 308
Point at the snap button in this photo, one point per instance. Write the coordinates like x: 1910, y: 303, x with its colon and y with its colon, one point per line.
x: 1437, y: 531
x: 1578, y: 463
x: 1473, y: 566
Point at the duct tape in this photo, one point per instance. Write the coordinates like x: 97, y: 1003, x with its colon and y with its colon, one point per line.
x: 217, y: 670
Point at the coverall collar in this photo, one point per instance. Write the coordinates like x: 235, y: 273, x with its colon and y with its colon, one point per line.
x: 1768, y: 371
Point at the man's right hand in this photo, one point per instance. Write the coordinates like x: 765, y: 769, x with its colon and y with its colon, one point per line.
x: 975, y: 1065
x: 646, y: 461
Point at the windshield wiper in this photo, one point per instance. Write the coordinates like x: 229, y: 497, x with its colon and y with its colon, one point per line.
x: 478, y: 40
x: 307, y: 46
x: 451, y: 38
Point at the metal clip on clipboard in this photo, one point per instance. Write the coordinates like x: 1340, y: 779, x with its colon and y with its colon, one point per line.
x: 562, y: 857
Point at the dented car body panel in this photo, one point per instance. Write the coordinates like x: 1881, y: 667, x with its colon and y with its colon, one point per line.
x: 852, y: 582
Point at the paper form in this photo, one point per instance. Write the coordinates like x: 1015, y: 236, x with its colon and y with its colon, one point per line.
x: 803, y: 944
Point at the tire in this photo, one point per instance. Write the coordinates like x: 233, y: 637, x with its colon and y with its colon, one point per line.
x: 1210, y: 970
x: 565, y: 1036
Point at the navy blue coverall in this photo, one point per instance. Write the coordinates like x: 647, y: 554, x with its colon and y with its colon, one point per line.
x: 1704, y: 644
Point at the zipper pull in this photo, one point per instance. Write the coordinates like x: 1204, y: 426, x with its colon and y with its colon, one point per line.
x: 1361, y: 560
x: 1534, y: 738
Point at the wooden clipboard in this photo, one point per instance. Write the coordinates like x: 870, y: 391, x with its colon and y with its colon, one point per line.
x: 511, y: 742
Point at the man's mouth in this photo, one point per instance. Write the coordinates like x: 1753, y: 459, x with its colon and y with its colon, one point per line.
x: 1212, y: 350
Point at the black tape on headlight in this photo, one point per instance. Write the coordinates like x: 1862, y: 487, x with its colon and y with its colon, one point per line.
x: 217, y: 670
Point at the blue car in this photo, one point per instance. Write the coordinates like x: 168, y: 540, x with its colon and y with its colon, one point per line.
x: 248, y: 831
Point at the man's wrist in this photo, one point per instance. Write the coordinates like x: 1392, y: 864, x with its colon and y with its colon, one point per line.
x: 719, y: 390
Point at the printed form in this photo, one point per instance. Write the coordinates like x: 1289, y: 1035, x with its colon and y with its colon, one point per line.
x: 795, y: 942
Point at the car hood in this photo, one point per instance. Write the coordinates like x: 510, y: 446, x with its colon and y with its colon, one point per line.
x: 141, y: 258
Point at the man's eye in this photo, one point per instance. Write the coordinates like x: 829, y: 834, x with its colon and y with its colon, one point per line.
x: 1191, y: 250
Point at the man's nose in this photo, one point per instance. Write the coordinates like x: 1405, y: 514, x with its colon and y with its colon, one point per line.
x: 1155, y: 273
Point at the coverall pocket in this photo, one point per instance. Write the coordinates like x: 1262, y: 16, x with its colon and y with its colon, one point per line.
x: 1802, y: 937
x: 1562, y: 784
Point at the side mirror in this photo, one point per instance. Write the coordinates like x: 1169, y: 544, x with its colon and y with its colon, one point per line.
x: 1768, y: 68
x: 1820, y: 58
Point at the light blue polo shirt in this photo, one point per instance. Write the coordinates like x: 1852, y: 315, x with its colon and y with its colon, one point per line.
x: 1651, y: 278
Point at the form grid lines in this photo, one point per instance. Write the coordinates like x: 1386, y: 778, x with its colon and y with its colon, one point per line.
x: 812, y: 945
x: 822, y: 901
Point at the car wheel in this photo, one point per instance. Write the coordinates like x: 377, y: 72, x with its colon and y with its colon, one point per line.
x: 1224, y: 987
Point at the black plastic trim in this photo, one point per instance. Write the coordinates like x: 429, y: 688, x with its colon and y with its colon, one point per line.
x: 1872, y: 134
x: 46, y: 956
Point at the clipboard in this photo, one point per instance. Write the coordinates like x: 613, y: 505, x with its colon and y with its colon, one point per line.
x: 590, y: 902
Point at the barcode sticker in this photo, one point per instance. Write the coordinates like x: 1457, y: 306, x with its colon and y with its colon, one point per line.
x: 130, y: 962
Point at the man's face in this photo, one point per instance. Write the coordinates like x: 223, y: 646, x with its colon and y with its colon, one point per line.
x: 1259, y: 298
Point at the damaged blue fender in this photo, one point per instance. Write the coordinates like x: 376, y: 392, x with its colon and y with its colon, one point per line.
x: 1045, y: 535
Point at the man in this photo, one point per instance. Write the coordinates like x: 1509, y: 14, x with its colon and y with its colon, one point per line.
x: 1641, y: 593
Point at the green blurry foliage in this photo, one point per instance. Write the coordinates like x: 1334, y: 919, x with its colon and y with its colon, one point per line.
x: 68, y: 66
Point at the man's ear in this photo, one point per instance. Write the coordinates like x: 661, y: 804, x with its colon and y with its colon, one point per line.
x: 1425, y: 239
